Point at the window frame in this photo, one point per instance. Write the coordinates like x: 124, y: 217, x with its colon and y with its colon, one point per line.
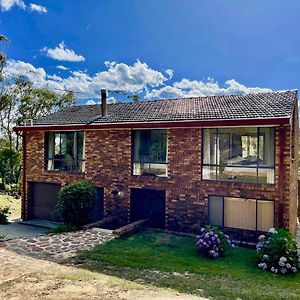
x: 236, y: 166
x: 223, y: 211
x: 133, y: 161
x: 75, y: 158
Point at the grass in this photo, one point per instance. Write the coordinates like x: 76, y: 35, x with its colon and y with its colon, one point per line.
x: 172, y: 261
x: 14, y: 205
x: 62, y: 228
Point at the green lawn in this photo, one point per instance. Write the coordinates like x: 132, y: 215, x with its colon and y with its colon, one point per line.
x: 172, y: 261
x: 14, y: 205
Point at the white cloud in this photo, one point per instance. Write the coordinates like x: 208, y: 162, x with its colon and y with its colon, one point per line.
x: 90, y: 102
x: 39, y: 8
x: 170, y: 73
x: 195, y: 88
x: 138, y: 77
x: 61, y: 67
x: 120, y: 76
x: 63, y: 54
x: 8, y: 4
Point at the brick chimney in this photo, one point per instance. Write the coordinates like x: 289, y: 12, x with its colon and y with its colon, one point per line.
x: 103, y: 102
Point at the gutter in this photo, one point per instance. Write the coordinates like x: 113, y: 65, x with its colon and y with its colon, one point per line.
x: 159, y: 124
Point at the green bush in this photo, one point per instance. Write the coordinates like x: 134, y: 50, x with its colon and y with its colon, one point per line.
x: 277, y: 252
x: 75, y: 202
x: 10, y: 165
x: 62, y: 228
x: 4, y: 213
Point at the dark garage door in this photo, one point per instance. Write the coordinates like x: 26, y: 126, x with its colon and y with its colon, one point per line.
x: 43, y: 200
x: 44, y: 197
x: 148, y: 204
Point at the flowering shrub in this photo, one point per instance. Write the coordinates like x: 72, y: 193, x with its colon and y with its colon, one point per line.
x: 277, y: 252
x: 212, y: 242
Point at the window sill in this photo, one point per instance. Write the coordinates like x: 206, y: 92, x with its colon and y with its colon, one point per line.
x: 238, y: 182
x: 64, y: 172
x: 149, y: 176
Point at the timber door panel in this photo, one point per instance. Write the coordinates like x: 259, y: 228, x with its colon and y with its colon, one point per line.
x: 150, y: 205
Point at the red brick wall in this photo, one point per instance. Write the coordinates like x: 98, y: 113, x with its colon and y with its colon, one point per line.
x: 108, y: 165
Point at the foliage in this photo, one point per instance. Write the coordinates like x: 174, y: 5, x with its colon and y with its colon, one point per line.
x: 2, y: 237
x: 20, y: 101
x: 172, y: 261
x: 3, y: 57
x: 4, y: 213
x: 277, y: 252
x: 75, y: 202
x: 212, y: 242
x: 10, y: 165
x: 62, y: 228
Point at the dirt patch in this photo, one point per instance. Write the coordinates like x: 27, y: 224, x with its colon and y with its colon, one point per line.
x: 23, y: 277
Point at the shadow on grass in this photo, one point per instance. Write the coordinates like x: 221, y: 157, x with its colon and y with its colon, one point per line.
x: 170, y: 261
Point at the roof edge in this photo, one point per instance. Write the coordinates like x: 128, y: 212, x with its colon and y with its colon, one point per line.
x: 159, y: 124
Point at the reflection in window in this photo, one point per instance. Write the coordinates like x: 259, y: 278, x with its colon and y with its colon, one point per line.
x: 65, y: 151
x: 243, y: 154
x: 150, y: 152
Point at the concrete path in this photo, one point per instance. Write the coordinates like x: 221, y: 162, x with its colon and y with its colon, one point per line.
x: 15, y: 230
x: 58, y: 247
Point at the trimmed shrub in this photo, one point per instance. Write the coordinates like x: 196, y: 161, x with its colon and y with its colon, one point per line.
x: 75, y: 202
x: 277, y: 252
x: 4, y: 213
x: 213, y: 243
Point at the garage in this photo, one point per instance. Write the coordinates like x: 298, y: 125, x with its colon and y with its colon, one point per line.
x: 43, y: 198
x: 148, y: 204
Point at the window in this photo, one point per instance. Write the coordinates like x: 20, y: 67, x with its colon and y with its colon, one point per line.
x: 150, y: 152
x: 241, y: 213
x: 243, y: 154
x: 65, y: 151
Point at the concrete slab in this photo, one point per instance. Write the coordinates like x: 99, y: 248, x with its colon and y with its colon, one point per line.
x: 40, y: 223
x: 16, y: 230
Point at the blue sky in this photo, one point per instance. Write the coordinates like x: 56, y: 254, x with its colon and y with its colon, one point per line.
x: 158, y: 48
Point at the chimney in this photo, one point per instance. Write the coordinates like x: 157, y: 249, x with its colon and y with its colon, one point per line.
x: 103, y: 103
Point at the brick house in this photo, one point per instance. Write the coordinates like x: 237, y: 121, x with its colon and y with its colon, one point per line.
x: 230, y: 161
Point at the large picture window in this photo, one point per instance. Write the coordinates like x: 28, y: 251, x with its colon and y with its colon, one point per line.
x: 150, y: 152
x: 241, y: 213
x: 65, y: 151
x: 244, y: 154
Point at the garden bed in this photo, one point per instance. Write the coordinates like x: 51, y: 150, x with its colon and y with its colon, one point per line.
x: 172, y: 261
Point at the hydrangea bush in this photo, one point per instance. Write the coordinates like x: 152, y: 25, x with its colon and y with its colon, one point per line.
x: 212, y: 242
x: 277, y: 252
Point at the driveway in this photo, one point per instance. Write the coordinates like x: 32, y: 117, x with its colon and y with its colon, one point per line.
x: 16, y: 230
x: 23, y: 277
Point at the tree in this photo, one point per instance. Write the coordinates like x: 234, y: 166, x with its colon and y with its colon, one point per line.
x: 20, y: 102
x: 10, y: 165
x: 2, y: 55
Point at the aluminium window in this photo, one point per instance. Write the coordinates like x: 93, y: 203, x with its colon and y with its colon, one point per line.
x: 244, y: 154
x: 241, y: 213
x: 65, y: 151
x: 149, y: 152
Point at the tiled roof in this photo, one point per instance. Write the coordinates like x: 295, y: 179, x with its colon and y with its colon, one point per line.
x: 230, y: 107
